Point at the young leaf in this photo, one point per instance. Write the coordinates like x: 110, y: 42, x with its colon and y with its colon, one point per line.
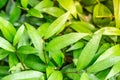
x: 111, y: 31
x: 18, y: 35
x: 115, y: 69
x: 43, y: 4
x: 68, y: 5
x: 112, y: 51
x: 56, y: 25
x: 89, y: 51
x: 56, y: 75
x: 116, y: 4
x: 3, y: 54
x: 65, y: 40
x: 27, y: 50
x: 84, y: 76
x: 76, y: 46
x: 36, y: 39
x: 25, y: 75
x: 54, y: 11
x: 35, y: 13
x: 6, y: 45
x: 82, y: 27
x: 24, y: 3
x: 7, y: 29
x: 108, y: 62
x: 42, y: 29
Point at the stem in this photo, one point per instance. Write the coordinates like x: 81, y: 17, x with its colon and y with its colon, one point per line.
x: 105, y: 16
x: 20, y: 61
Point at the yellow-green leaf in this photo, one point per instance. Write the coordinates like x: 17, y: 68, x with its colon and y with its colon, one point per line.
x: 56, y: 25
x: 65, y: 40
x: 89, y: 51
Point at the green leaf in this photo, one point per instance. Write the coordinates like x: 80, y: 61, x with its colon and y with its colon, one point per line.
x: 112, y: 51
x: 27, y: 50
x: 33, y: 62
x: 77, y: 45
x: 35, y: 13
x: 82, y: 27
x: 19, y: 34
x: 54, y: 11
x: 43, y: 28
x: 56, y: 75
x: 3, y: 54
x: 65, y: 40
x: 15, y: 12
x: 102, y: 49
x: 108, y: 62
x: 101, y: 10
x: 4, y: 70
x: 25, y: 75
x: 116, y: 4
x: 69, y: 6
x: 89, y: 51
x: 56, y: 25
x: 6, y: 45
x: 24, y: 40
x: 84, y: 76
x: 57, y: 56
x: 115, y: 69
x: 111, y: 31
x: 7, y: 29
x: 13, y: 60
x: 36, y: 39
x: 24, y: 3
x: 43, y: 4
x: 2, y: 3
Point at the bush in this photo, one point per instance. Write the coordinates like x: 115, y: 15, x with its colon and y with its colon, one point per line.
x: 59, y: 40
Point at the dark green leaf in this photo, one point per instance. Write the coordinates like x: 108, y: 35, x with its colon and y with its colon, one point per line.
x: 101, y: 10
x: 2, y: 3
x: 65, y: 40
x: 57, y: 56
x: 13, y: 60
x: 27, y: 50
x: 14, y: 12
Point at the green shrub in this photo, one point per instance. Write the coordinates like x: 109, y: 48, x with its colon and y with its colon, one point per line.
x: 59, y: 40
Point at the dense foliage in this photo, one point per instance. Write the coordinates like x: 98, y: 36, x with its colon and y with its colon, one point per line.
x: 59, y: 39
